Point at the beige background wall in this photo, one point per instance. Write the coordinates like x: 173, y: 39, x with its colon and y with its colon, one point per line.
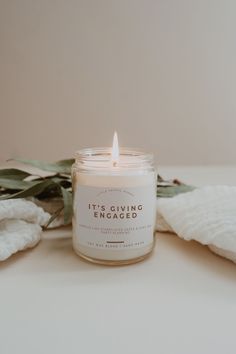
x: 163, y: 73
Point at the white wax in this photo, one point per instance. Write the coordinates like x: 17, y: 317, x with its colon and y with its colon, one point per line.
x: 124, y: 179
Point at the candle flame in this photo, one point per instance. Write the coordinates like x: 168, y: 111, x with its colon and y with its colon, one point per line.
x: 115, y: 150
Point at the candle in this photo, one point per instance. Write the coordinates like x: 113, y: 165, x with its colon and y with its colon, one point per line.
x: 114, y: 204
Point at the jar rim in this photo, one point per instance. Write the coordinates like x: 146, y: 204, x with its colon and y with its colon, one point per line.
x: 93, y: 153
x: 100, y: 157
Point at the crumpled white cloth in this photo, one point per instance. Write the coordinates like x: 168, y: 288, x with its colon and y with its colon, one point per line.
x: 20, y: 225
x: 206, y: 215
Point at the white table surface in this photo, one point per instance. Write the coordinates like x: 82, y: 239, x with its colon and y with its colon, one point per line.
x: 180, y: 300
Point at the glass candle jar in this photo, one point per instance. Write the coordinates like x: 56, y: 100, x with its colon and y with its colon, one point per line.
x: 114, y: 206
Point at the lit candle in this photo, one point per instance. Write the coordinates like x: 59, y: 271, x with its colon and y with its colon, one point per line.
x: 114, y: 199
x: 115, y: 154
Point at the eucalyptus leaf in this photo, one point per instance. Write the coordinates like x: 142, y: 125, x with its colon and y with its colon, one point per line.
x: 57, y: 179
x: 9, y: 183
x: 54, y: 216
x: 168, y: 192
x: 31, y: 191
x: 66, y: 165
x: 67, y: 199
x: 159, y: 178
x: 62, y: 166
x: 58, y: 185
x: 13, y: 173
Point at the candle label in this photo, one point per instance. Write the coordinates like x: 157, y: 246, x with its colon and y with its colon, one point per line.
x: 114, y: 218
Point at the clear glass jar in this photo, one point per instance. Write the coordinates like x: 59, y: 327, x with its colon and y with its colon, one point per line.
x: 114, y: 206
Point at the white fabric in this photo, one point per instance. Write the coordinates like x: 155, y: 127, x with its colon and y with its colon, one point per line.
x: 20, y: 225
x: 206, y: 215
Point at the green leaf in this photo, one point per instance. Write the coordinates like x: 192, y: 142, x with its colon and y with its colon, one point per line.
x: 13, y: 173
x: 15, y: 184
x: 67, y: 199
x: 159, y: 178
x: 65, y: 165
x: 31, y: 191
x: 62, y: 166
x: 59, y: 179
x: 54, y: 216
x: 168, y: 192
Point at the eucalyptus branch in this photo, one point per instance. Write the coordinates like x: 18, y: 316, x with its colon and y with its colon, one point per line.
x: 17, y: 183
